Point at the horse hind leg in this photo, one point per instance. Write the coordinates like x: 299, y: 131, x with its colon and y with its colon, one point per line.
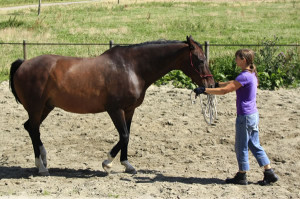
x: 33, y: 130
x: 32, y: 126
x: 43, y: 151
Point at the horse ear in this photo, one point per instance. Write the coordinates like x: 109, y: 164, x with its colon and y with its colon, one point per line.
x: 190, y: 42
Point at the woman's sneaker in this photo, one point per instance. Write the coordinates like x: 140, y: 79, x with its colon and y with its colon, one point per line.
x: 269, y: 177
x: 239, y: 178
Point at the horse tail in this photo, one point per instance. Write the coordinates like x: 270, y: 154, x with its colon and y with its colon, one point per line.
x: 14, y: 67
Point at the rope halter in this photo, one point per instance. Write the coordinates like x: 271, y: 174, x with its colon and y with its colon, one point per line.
x: 195, y: 69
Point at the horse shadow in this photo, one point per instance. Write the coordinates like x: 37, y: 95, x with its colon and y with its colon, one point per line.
x: 16, y: 172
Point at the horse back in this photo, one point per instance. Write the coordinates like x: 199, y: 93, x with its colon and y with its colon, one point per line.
x: 80, y: 85
x: 52, y: 79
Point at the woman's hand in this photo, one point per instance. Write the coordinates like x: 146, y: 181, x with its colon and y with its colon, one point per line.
x: 199, y: 90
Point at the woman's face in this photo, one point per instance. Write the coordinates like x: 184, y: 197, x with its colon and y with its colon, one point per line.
x: 240, y: 62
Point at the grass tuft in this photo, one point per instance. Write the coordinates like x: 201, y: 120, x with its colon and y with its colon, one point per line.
x: 12, y: 22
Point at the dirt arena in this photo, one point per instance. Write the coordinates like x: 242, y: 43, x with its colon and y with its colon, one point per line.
x: 177, y: 155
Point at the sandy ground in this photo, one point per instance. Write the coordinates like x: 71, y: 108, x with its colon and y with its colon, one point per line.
x: 176, y: 154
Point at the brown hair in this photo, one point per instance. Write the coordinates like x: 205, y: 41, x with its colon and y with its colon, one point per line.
x: 249, y: 56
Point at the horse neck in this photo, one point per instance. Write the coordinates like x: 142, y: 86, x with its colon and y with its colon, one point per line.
x: 156, y: 62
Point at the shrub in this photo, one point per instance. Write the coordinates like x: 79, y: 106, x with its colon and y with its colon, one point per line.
x: 178, y: 79
x: 277, y: 69
x: 224, y: 68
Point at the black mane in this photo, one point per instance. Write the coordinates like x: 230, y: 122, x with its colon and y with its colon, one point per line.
x: 162, y: 41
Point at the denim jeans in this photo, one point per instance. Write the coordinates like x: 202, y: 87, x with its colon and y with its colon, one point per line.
x: 247, y: 136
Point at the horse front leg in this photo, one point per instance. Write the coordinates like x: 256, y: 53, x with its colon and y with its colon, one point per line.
x: 120, y: 121
x: 124, y: 150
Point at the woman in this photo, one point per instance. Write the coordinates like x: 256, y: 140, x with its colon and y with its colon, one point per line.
x: 247, y: 134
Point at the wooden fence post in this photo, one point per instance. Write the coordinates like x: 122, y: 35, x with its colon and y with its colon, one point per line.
x: 111, y: 44
x: 206, y: 49
x: 24, y: 50
x: 39, y: 9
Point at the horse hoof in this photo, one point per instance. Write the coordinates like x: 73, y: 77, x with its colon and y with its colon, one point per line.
x: 45, y: 173
x: 106, y: 166
x: 131, y: 171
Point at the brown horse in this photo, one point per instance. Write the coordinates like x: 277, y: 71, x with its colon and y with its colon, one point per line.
x: 115, y: 81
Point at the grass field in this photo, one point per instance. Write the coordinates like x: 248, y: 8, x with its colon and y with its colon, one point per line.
x: 137, y: 21
x: 7, y: 3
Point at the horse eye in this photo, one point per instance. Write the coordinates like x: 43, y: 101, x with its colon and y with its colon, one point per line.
x: 199, y: 68
x: 201, y: 61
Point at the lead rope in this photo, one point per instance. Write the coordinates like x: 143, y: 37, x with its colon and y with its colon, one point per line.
x: 208, y: 107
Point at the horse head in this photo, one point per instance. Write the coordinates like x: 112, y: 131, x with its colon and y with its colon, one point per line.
x: 197, y: 68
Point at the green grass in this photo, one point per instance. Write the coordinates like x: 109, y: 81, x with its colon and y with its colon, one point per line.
x: 216, y: 22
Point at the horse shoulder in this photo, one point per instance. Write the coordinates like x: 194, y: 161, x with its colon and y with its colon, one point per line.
x: 136, y: 84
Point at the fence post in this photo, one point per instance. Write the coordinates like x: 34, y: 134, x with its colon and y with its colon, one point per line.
x: 39, y: 9
x: 111, y: 42
x: 24, y: 50
x: 206, y: 49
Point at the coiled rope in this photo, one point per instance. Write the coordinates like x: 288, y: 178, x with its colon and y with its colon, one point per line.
x: 208, y: 107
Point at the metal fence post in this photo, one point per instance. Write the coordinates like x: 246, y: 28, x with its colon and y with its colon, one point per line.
x: 206, y: 49
x: 111, y: 44
x: 24, y: 50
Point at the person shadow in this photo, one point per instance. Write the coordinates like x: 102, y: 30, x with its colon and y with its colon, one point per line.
x: 186, y: 180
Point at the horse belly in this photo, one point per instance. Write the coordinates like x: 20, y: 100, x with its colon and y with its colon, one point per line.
x: 77, y: 89
x: 78, y: 104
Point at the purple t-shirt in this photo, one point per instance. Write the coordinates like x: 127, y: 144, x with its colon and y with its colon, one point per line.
x: 246, y: 95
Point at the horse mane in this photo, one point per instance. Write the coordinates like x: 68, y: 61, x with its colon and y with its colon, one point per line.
x: 156, y: 42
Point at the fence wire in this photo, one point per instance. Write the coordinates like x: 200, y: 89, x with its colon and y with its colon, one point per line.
x: 110, y: 44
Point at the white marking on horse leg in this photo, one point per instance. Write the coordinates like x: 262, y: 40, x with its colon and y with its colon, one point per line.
x: 107, y: 164
x: 43, y: 153
x: 129, y: 167
x: 42, y: 169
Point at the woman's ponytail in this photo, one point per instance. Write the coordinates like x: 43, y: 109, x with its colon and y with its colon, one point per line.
x: 253, y: 70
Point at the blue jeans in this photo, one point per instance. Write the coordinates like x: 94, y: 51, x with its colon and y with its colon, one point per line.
x: 247, y: 136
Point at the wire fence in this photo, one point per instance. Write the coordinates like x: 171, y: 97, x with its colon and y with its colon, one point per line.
x: 110, y: 44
